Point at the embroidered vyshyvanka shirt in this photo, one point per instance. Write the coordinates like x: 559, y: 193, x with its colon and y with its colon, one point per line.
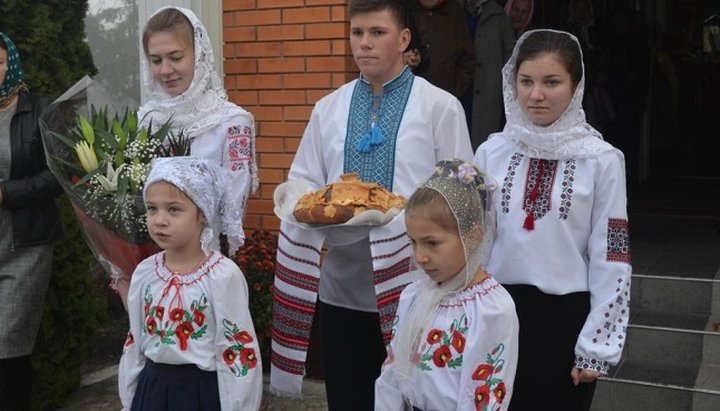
x: 421, y: 124
x: 579, y: 240
x: 466, y: 357
x: 200, y: 318
x: 230, y: 145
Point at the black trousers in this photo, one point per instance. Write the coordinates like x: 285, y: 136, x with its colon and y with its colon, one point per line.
x: 16, y: 377
x: 353, y: 352
x: 549, y: 327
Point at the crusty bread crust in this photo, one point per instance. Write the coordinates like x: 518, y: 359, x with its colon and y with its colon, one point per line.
x: 338, y: 202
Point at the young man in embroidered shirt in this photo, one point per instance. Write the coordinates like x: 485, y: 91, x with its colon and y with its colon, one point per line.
x: 390, y: 127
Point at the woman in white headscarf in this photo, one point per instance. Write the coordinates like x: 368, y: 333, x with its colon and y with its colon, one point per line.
x: 562, y: 243
x: 183, y: 86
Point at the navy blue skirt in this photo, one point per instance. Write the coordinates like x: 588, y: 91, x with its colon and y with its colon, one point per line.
x: 177, y: 388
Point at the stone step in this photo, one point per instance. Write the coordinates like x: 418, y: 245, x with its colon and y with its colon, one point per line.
x: 665, y: 345
x: 664, y: 368
x: 618, y: 394
x: 669, y: 301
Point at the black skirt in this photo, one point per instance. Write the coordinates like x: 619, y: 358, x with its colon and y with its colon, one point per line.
x: 549, y: 328
x: 177, y: 388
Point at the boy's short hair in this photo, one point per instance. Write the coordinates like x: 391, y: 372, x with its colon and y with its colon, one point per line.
x: 396, y: 7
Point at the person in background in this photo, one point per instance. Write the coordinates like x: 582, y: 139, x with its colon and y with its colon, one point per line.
x: 520, y: 13
x: 29, y: 222
x: 455, y: 339
x: 191, y: 344
x: 183, y: 86
x: 594, y: 38
x: 390, y: 127
x: 562, y: 248
x: 494, y: 39
x: 447, y: 53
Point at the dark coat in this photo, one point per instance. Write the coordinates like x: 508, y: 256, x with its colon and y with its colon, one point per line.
x: 448, y: 59
x: 494, y: 43
x: 29, y: 193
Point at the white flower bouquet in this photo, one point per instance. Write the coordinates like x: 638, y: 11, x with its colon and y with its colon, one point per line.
x: 101, y: 160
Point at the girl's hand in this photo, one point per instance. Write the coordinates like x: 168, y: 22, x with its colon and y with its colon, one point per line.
x: 584, y: 375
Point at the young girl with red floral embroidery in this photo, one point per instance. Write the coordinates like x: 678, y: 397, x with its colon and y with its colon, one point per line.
x: 191, y: 343
x: 455, y: 337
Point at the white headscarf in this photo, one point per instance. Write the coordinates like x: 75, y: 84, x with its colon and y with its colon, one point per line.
x: 203, y: 105
x: 466, y: 191
x: 208, y: 186
x: 570, y: 136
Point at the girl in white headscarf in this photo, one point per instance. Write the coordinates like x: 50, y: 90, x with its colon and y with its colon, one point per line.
x: 455, y: 337
x: 191, y: 344
x: 183, y: 86
x: 562, y: 244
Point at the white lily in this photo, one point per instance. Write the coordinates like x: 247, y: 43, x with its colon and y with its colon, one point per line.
x: 109, y: 182
x: 88, y: 159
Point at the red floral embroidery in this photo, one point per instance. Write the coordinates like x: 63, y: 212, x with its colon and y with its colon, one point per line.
x: 239, y: 349
x: 179, y: 327
x: 150, y: 325
x: 487, y: 375
x: 176, y: 314
x: 243, y: 337
x: 129, y: 340
x: 198, y: 317
x: 442, y: 356
x: 458, y: 341
x: 159, y: 312
x: 248, y: 357
x: 500, y: 392
x: 483, y: 372
x: 229, y: 356
x: 482, y: 397
x: 434, y: 336
x: 183, y: 332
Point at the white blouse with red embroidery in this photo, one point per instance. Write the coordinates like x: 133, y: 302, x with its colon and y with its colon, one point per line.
x: 562, y: 226
x: 200, y: 318
x: 230, y: 145
x: 466, y: 357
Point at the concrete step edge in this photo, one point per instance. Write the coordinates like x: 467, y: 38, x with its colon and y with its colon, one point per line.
x: 709, y: 281
x: 659, y: 385
x: 674, y: 330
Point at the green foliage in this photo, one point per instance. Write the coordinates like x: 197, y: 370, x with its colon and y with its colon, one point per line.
x: 51, y: 40
x: 73, y: 312
x: 50, y: 35
x: 256, y: 259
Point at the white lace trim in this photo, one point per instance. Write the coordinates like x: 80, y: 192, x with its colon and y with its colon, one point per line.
x: 203, y: 105
x: 208, y: 186
x: 570, y: 136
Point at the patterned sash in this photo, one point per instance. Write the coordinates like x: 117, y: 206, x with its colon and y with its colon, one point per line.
x: 297, y: 279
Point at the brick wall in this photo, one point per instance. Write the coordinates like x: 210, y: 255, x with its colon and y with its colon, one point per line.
x: 281, y: 56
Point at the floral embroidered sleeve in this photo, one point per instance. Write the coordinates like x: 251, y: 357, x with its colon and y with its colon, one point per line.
x: 602, y: 338
x: 490, y: 358
x: 236, y: 347
x: 239, y: 156
x: 133, y: 360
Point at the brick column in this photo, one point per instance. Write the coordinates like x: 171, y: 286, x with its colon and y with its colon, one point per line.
x: 281, y: 56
